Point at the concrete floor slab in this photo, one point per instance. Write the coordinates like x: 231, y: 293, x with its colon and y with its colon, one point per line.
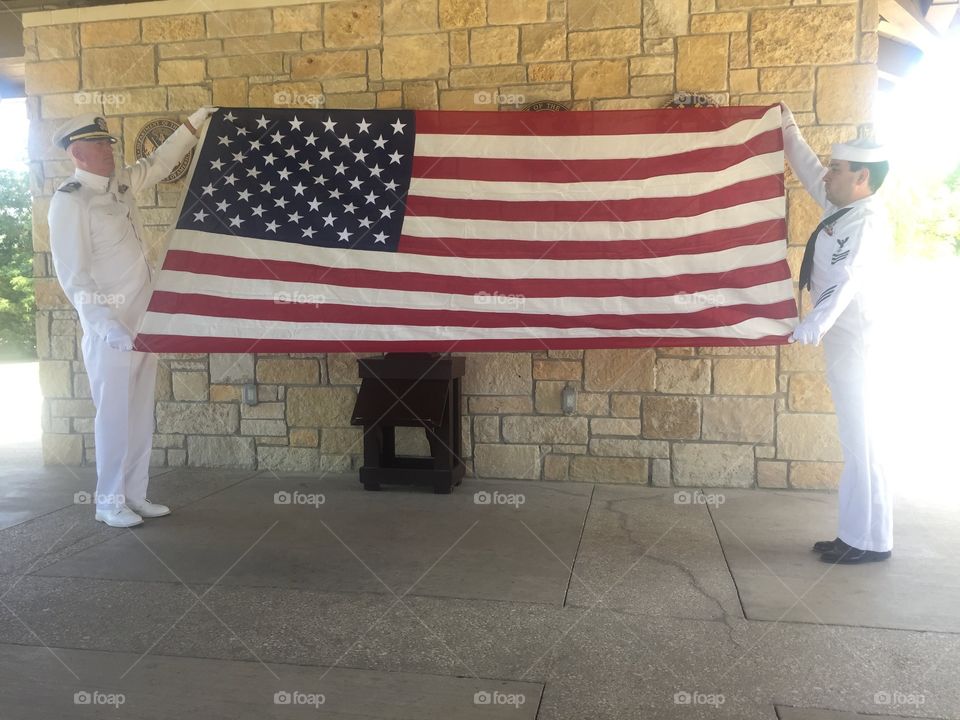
x: 645, y: 553
x: 356, y: 541
x: 767, y: 537
x: 61, y: 683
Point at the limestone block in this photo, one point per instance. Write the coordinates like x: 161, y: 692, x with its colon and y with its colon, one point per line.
x: 540, y: 43
x: 604, y: 43
x: 416, y: 56
x: 110, y: 33
x: 420, y: 96
x: 320, y: 406
x: 786, y: 79
x: 723, y: 22
x: 683, y: 377
x: 796, y: 358
x: 190, y: 48
x: 702, y: 62
x: 288, y: 459
x: 409, y: 16
x: 822, y: 35
x: 286, y: 371
x: 192, y: 418
x: 487, y: 77
x: 173, y: 28
x: 600, y: 78
x: 499, y: 405
x: 739, y: 50
x: 187, y: 98
x: 517, y: 95
x: 845, y: 94
x: 55, y: 42
x: 234, y: 23
x: 511, y: 12
x: 498, y: 374
x: 168, y: 441
x: 744, y: 81
x: 341, y: 441
x: 271, y: 64
x: 808, y: 437
x: 269, y: 409
x: 283, y: 42
x: 658, y: 85
x: 181, y: 72
x: 190, y: 385
x: 62, y: 449
x: 803, y: 214
x: 665, y: 18
x: 176, y: 458
x: 545, y: 430
x: 304, y: 437
x: 671, y: 417
x: 56, y: 378
x: 231, y: 368
x: 809, y: 393
x: 713, y: 465
x: 815, y: 475
x: 277, y: 428
x: 518, y: 462
x: 459, y: 47
x: 738, y: 419
x: 590, y: 14
x: 462, y: 13
x: 630, y: 370
x: 351, y: 24
x: 615, y: 426
x: 652, y: 65
x: 771, y: 474
x: 119, y: 67
x: 52, y: 76
x: 486, y: 429
x: 298, y: 19
x: 49, y: 295
x: 869, y: 47
x: 740, y: 376
x: 609, y: 469
x: 869, y: 15
x: 557, y: 370
x: 392, y: 99
x: 556, y: 467
x: 625, y: 405
x: 226, y: 452
x: 494, y: 45
x: 660, y: 473
x: 629, y: 447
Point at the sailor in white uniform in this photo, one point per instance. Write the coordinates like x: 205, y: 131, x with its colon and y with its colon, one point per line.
x: 842, y: 266
x: 97, y: 242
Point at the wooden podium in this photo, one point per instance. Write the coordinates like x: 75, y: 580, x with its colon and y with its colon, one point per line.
x: 410, y: 390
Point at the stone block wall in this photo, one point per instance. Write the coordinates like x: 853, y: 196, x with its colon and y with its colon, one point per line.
x: 706, y: 417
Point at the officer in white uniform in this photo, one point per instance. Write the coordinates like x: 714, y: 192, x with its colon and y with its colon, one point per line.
x: 97, y: 241
x: 842, y: 267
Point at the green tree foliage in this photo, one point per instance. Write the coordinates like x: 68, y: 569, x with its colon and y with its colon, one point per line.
x: 926, y: 214
x: 17, y: 330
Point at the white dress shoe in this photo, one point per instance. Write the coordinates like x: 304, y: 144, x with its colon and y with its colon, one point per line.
x: 121, y: 517
x: 148, y: 509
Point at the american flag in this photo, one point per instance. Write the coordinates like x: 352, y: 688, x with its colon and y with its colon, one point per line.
x: 397, y: 230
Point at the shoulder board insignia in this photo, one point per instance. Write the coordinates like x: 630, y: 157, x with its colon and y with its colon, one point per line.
x: 123, y: 188
x: 69, y: 187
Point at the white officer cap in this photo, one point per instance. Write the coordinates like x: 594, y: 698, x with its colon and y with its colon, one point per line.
x: 859, y: 150
x: 83, y: 127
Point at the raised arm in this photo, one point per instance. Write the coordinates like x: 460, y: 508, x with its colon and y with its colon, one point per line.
x: 150, y: 170
x: 803, y: 160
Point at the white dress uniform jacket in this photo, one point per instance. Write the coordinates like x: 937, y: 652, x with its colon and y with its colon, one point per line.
x: 97, y: 242
x: 849, y: 263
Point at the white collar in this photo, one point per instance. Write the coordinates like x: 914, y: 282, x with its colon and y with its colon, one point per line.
x: 92, y: 180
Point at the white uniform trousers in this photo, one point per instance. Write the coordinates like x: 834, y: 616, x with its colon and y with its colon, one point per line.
x: 122, y: 385
x: 865, y: 502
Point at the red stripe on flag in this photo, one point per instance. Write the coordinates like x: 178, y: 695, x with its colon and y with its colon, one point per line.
x: 267, y: 310
x: 576, y: 171
x: 599, y: 210
x: 584, y: 122
x: 287, y: 271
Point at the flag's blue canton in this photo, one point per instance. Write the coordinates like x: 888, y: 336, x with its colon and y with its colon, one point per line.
x: 336, y: 178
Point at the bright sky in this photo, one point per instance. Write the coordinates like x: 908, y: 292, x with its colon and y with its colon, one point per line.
x: 13, y: 130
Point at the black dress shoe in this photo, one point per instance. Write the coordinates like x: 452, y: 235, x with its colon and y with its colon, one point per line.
x: 822, y: 546
x: 848, y: 555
